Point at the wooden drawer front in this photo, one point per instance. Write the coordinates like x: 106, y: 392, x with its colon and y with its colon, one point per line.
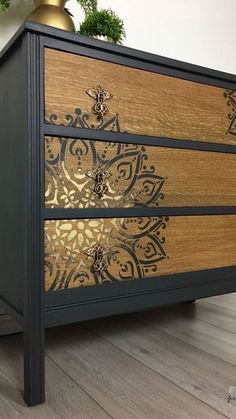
x: 142, y: 102
x: 135, y: 175
x: 135, y: 248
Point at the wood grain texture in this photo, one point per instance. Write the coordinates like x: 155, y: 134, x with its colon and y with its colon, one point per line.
x: 181, y: 322
x: 216, y: 315
x: 136, y: 248
x: 137, y: 175
x: 119, y: 383
x: 65, y: 399
x: 120, y: 371
x: 145, y: 102
x: 203, y: 376
x: 229, y: 302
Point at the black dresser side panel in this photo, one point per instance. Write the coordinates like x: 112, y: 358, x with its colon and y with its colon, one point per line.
x: 13, y: 174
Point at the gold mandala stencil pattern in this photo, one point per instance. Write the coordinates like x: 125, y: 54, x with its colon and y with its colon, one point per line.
x: 134, y: 248
x: 128, y: 179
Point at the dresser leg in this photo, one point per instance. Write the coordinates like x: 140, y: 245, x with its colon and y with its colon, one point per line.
x: 34, y: 369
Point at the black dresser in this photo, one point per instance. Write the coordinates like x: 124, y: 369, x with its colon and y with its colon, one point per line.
x: 118, y: 183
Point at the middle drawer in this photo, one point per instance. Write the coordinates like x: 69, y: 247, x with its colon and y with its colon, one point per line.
x: 86, y: 173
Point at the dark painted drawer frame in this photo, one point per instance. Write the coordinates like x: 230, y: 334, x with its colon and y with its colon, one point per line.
x: 38, y: 310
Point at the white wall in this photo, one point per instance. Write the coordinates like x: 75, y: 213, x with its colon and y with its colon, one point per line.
x: 198, y: 31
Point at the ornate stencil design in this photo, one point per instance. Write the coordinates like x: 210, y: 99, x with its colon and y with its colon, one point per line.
x: 135, y: 250
x: 82, y: 119
x: 132, y: 181
x: 230, y: 95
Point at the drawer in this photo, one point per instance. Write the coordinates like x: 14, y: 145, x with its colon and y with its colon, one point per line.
x: 82, y: 253
x: 86, y: 173
x: 137, y: 101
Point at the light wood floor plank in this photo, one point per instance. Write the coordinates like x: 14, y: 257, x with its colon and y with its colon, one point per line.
x: 200, y: 374
x: 211, y: 313
x: 65, y: 399
x: 202, y: 335
x: 123, y: 386
x: 204, y: 311
x: 225, y: 301
x: 156, y: 364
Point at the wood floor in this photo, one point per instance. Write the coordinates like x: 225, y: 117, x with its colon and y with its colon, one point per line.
x: 173, y: 362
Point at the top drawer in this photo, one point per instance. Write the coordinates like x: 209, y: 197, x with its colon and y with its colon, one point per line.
x: 136, y: 101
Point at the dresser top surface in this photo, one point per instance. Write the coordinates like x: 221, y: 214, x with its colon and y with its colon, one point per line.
x: 118, y: 50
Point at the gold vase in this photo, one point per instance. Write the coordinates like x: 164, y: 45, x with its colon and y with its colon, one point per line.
x: 52, y: 13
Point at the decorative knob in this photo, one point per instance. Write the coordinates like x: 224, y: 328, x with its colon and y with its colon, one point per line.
x: 99, y: 174
x: 100, y: 95
x: 98, y: 252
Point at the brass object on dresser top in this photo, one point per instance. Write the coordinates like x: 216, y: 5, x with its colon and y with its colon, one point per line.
x: 52, y: 13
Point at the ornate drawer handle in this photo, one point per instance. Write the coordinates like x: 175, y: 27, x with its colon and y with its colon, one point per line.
x: 99, y: 94
x: 99, y: 174
x: 98, y: 252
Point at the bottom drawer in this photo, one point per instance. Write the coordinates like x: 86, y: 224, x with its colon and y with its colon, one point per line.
x: 97, y: 251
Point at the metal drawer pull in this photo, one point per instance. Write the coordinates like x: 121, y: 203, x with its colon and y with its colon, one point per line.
x: 99, y: 174
x: 100, y: 95
x: 98, y: 252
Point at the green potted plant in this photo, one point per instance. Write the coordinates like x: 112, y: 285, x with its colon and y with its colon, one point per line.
x: 103, y: 24
x: 4, y: 5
